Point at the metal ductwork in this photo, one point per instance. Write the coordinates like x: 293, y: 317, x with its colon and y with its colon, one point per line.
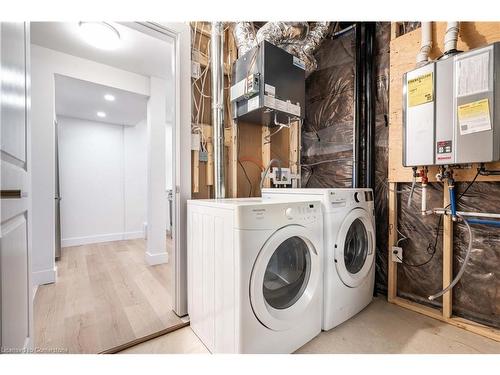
x: 217, y: 70
x: 297, y: 38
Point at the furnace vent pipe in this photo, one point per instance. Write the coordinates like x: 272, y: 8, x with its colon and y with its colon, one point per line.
x: 425, y: 44
x: 217, y: 69
x: 451, y: 37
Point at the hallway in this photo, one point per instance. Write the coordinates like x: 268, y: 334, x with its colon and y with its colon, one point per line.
x: 105, y: 295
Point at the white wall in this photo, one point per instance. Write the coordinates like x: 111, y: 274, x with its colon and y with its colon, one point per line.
x: 136, y: 177
x: 157, y: 191
x: 103, y: 181
x: 44, y: 64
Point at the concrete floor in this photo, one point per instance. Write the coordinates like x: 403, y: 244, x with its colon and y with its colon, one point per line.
x: 380, y: 328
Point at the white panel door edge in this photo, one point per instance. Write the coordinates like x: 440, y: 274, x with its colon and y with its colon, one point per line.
x: 15, y: 247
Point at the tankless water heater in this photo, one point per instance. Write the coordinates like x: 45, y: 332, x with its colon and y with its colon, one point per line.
x: 451, y: 112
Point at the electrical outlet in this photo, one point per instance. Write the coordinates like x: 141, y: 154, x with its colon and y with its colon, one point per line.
x: 203, y: 156
x: 397, y: 254
x: 195, y: 70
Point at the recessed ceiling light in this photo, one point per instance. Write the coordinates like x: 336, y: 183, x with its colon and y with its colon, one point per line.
x: 101, y: 114
x: 100, y: 34
x: 109, y: 97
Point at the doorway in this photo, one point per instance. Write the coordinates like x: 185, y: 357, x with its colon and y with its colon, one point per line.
x: 117, y: 279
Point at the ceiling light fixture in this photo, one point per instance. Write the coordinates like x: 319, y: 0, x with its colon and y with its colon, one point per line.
x: 100, y: 35
x: 101, y: 114
x: 109, y: 97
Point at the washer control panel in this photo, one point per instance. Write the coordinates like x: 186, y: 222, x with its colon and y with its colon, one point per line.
x: 276, y: 214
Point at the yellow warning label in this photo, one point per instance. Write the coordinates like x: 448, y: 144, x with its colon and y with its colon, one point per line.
x: 420, y: 90
x: 474, y: 117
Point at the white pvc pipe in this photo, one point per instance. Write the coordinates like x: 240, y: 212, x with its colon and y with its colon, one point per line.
x: 424, y: 199
x: 425, y: 44
x: 441, y: 211
x: 451, y: 36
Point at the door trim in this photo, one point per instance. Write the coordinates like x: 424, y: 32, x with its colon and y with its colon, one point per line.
x: 180, y: 34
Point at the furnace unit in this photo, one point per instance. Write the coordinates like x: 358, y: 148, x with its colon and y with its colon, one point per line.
x: 268, y: 86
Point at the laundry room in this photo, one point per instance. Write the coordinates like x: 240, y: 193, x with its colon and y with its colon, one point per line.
x: 279, y: 184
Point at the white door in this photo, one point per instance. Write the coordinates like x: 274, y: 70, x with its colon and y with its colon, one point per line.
x: 15, y: 204
x: 284, y: 278
x: 355, y: 247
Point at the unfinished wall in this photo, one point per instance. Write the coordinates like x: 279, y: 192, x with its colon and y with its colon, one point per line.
x: 477, y: 296
x: 327, y: 133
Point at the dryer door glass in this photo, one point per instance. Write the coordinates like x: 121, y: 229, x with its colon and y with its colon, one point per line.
x: 356, y: 247
x: 287, y: 273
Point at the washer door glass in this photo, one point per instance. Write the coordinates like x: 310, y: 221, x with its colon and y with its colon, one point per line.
x: 287, y: 273
x: 356, y: 247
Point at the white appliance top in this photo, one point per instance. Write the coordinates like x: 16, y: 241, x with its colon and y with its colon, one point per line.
x: 333, y: 199
x: 264, y: 214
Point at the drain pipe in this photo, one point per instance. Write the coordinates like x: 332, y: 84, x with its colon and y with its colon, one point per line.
x: 369, y: 106
x: 358, y: 102
x: 451, y: 38
x: 425, y: 44
x: 217, y: 68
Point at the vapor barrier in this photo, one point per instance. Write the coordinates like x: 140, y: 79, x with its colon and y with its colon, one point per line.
x: 327, y: 136
x: 383, y: 36
x: 421, y: 274
x: 327, y: 157
x: 477, y: 295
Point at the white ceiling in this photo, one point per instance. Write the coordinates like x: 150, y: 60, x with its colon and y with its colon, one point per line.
x: 138, y: 52
x: 83, y: 99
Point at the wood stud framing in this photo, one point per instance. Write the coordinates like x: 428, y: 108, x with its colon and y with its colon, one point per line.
x: 252, y: 139
x: 402, y: 59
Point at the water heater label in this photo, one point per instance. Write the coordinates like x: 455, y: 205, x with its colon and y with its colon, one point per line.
x: 421, y: 90
x: 474, y: 117
x: 473, y: 74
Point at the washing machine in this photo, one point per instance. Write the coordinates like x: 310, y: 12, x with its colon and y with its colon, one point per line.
x: 255, y: 268
x: 349, y: 247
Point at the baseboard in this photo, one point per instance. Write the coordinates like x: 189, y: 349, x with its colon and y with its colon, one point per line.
x: 133, y: 235
x: 156, y: 258
x: 35, y: 291
x: 77, y: 241
x: 44, y: 276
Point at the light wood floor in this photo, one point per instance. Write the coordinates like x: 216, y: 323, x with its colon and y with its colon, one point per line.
x: 105, y: 295
x: 380, y: 328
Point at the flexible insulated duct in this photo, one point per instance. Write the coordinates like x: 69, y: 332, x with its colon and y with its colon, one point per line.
x: 297, y: 38
x: 244, y: 36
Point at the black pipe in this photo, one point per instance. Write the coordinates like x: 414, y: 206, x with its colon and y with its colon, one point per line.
x: 370, y: 105
x: 487, y: 172
x: 358, y: 107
